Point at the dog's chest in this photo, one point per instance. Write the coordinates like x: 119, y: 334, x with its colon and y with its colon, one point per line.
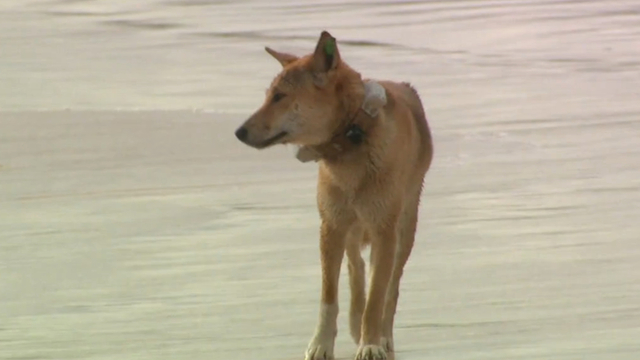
x: 352, y: 185
x: 349, y: 178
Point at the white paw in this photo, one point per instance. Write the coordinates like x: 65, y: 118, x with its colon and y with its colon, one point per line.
x: 319, y: 350
x: 371, y: 352
x: 387, y: 344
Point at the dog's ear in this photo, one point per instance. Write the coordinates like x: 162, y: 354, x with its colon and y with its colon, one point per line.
x: 283, y: 58
x: 326, y: 56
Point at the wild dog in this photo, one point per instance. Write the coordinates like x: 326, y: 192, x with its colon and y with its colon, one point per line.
x: 371, y: 171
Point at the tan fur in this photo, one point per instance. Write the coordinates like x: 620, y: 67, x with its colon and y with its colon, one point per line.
x: 368, y: 196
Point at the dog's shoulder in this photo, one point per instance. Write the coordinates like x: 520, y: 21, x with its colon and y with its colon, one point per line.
x: 412, y: 89
x: 405, y: 95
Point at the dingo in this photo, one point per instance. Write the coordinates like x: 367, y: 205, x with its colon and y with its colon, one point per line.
x: 372, y: 166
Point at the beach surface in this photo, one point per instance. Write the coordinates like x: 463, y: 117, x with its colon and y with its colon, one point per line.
x: 133, y: 225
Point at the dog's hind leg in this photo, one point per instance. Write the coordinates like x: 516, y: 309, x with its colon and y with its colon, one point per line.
x: 356, y: 281
x: 406, y: 236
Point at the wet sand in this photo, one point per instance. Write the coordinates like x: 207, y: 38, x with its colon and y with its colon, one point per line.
x: 134, y: 228
x: 155, y: 235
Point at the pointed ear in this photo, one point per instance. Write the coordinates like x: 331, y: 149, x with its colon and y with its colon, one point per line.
x: 283, y: 58
x: 326, y: 56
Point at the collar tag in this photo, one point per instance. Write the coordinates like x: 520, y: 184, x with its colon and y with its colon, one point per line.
x: 307, y: 153
x: 375, y: 98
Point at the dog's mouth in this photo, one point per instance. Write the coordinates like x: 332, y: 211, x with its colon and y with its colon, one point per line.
x: 272, y: 140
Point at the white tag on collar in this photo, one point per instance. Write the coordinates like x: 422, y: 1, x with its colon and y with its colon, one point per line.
x: 306, y: 154
x: 375, y: 98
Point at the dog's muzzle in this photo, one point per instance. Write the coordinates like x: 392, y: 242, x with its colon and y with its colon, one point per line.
x: 242, y: 133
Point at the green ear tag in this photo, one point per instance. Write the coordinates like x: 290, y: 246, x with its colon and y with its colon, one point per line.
x: 330, y: 47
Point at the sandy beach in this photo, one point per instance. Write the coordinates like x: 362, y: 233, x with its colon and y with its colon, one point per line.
x: 133, y: 227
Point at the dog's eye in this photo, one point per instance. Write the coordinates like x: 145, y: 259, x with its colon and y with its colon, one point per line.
x: 277, y: 97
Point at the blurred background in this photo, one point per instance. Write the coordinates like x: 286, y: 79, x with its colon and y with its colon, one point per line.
x: 134, y: 226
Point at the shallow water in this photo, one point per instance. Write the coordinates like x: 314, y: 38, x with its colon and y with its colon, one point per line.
x: 155, y: 235
x: 539, y: 58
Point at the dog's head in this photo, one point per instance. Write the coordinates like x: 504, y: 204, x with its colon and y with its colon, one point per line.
x: 305, y: 102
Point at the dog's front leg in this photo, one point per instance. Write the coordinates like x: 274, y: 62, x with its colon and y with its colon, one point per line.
x: 332, y: 246
x: 383, y: 248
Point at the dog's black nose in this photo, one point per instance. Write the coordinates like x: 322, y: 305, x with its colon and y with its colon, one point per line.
x: 242, y: 133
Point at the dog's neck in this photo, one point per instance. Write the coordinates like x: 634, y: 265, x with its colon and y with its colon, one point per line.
x: 353, y: 130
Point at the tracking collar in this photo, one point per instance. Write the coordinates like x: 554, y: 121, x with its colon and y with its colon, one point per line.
x: 355, y: 131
